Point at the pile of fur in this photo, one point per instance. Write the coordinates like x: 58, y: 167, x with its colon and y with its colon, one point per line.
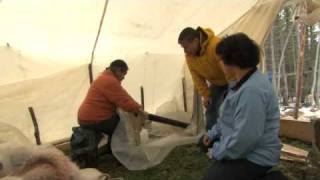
x: 51, y: 164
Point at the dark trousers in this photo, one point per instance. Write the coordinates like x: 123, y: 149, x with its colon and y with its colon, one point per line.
x: 235, y: 170
x: 107, y: 127
x: 212, y: 111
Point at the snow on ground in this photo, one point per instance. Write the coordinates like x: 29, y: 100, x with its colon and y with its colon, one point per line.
x: 305, y: 112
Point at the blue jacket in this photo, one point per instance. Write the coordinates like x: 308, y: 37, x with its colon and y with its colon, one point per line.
x: 248, y: 124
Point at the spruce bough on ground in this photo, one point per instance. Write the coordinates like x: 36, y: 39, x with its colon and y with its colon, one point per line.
x: 187, y: 162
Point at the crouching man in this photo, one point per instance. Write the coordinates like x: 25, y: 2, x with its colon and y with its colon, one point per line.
x: 98, y: 110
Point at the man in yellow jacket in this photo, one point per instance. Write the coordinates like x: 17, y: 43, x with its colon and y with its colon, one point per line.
x: 199, y: 46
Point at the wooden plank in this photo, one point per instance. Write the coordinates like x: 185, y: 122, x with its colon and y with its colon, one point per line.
x: 62, y: 144
x: 292, y: 159
x: 294, y: 151
x: 300, y: 130
x: 294, y: 154
x: 61, y: 141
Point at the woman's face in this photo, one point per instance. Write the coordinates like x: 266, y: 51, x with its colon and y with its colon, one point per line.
x: 228, y: 69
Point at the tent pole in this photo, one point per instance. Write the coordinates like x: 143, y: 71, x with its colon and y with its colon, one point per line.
x: 96, y: 41
x: 90, y: 73
x: 142, y: 96
x: 184, y: 94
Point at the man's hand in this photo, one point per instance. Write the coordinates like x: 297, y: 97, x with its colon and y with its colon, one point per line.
x: 143, y: 113
x: 206, y: 140
x: 206, y: 101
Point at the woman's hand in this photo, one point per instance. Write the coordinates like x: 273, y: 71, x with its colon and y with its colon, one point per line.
x: 206, y: 140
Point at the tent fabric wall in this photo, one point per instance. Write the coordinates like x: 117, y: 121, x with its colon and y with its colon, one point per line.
x: 65, y: 30
x: 256, y: 22
x: 16, y: 67
x: 55, y: 100
x: 62, y: 32
x: 50, y: 35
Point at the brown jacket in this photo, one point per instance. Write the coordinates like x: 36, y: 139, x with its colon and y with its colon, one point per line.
x: 104, y: 96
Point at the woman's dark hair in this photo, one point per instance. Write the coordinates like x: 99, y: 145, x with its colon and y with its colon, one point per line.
x: 118, y: 65
x: 239, y: 50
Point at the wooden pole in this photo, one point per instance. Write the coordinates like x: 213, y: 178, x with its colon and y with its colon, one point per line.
x: 142, y: 96
x: 299, y: 76
x: 90, y: 73
x: 197, y: 113
x: 96, y: 41
x: 184, y: 95
x: 164, y: 120
x: 35, y: 124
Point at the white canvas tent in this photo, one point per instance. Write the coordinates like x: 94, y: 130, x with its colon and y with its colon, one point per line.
x: 46, y: 48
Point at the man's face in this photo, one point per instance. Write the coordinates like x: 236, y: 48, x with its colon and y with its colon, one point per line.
x: 120, y: 74
x: 190, y: 47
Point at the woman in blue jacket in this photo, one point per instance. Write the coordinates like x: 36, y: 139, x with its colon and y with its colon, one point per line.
x: 245, y: 139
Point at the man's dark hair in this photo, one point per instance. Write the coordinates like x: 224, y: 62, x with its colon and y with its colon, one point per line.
x: 188, y: 34
x: 118, y: 65
x: 239, y: 50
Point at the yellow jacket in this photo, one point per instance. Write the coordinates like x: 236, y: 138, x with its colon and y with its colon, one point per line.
x: 206, y: 66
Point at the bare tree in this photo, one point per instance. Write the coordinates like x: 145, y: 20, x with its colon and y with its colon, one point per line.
x: 283, y: 55
x: 285, y: 94
x: 273, y: 60
x: 314, y: 89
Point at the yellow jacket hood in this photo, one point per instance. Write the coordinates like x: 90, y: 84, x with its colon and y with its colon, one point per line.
x: 205, y: 36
